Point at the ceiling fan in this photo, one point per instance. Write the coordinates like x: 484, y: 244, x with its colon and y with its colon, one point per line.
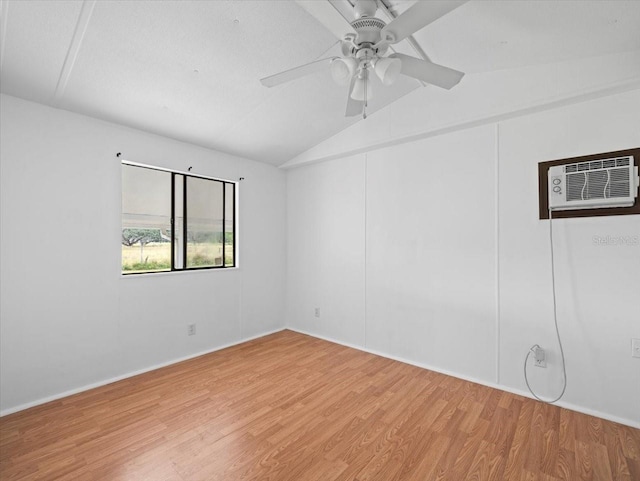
x: 364, y: 48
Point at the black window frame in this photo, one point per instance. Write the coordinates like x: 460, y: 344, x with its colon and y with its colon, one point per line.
x: 185, y: 175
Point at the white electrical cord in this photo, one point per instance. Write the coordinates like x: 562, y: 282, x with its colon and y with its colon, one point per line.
x: 555, y: 318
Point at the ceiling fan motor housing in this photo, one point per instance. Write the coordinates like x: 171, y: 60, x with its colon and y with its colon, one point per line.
x: 368, y: 29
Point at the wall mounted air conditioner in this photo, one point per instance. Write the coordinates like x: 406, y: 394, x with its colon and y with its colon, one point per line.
x: 594, y: 184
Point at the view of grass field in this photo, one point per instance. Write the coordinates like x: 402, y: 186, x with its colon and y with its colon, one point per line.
x: 153, y: 257
x: 156, y: 256
x: 155, y: 223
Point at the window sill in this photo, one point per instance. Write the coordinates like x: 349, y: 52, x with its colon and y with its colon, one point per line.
x: 173, y: 273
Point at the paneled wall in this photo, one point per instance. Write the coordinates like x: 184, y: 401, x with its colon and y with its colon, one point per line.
x: 431, y: 251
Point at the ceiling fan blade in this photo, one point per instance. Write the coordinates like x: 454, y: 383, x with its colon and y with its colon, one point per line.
x: 297, y: 72
x: 354, y: 107
x: 429, y: 72
x: 418, y: 16
x: 331, y: 14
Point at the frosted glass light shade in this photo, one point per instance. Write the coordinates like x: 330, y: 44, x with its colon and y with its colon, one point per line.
x: 387, y: 69
x: 358, y: 89
x: 342, y: 69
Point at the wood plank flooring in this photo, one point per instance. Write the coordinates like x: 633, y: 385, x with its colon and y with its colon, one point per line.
x: 292, y: 407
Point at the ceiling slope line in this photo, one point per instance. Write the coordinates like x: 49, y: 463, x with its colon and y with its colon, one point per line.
x: 4, y: 13
x: 627, y: 85
x: 74, y: 48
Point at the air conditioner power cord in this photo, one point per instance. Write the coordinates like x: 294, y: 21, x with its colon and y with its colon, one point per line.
x: 555, y: 319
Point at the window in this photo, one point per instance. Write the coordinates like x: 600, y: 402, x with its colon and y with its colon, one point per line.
x: 175, y: 222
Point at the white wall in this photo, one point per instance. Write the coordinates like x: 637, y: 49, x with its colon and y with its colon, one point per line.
x: 432, y: 251
x: 68, y: 318
x: 598, y: 286
x: 428, y: 270
x: 325, y: 264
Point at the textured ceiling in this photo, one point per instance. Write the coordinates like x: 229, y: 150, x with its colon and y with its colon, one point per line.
x: 498, y: 35
x: 190, y: 70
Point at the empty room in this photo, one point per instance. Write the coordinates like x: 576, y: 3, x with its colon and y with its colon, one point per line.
x: 319, y: 240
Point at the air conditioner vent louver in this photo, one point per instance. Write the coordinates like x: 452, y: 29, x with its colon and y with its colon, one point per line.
x: 598, y: 183
x: 575, y: 186
x: 598, y: 164
x: 618, y: 190
x: 595, y: 165
x: 619, y: 175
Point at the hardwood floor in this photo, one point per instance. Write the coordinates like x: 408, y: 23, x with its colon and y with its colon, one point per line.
x: 292, y: 407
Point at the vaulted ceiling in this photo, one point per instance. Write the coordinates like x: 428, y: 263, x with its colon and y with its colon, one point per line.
x: 190, y: 70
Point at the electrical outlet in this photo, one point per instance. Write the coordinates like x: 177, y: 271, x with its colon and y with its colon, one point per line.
x: 317, y: 312
x: 191, y: 330
x: 539, y: 357
x: 635, y: 347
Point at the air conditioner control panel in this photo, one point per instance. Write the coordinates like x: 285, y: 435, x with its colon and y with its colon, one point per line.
x: 556, y: 188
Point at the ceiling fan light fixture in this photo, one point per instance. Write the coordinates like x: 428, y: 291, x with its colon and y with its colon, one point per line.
x: 387, y: 69
x: 342, y: 70
x: 362, y: 86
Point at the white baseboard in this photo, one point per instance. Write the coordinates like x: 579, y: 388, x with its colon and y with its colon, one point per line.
x: 566, y: 405
x: 570, y: 406
x: 104, y: 382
